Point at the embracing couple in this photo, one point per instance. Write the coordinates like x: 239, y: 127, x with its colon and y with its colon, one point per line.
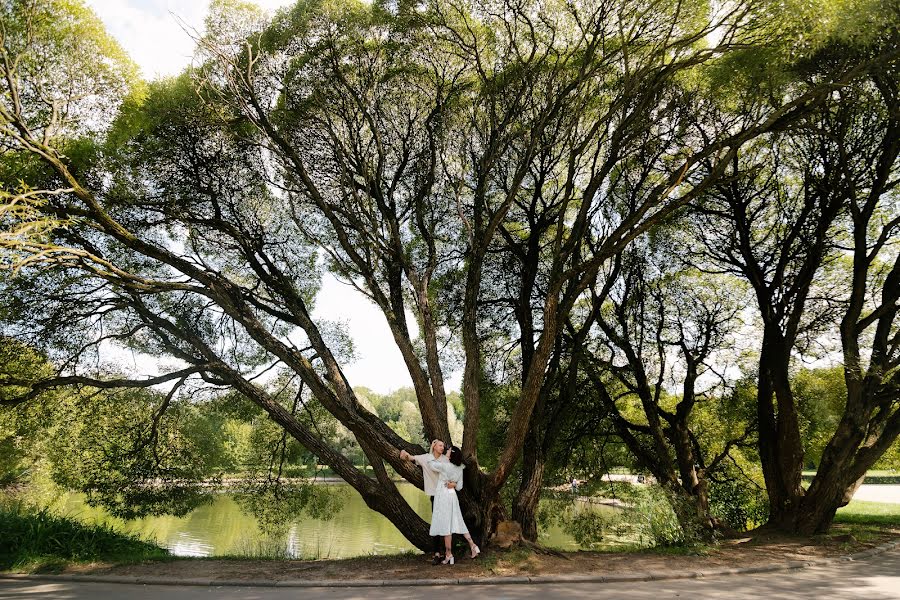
x: 443, y: 475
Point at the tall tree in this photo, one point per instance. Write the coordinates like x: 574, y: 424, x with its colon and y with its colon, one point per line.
x: 795, y: 210
x: 661, y: 333
x: 389, y: 145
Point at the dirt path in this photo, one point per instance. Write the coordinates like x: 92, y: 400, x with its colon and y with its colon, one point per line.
x: 876, y: 578
x: 758, y: 550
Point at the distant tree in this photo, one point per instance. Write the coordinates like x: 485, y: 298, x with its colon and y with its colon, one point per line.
x: 821, y: 396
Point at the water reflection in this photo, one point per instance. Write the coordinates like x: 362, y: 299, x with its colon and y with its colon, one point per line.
x: 222, y: 528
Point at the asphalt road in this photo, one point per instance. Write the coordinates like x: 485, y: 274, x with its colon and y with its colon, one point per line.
x: 875, y: 578
x: 878, y: 493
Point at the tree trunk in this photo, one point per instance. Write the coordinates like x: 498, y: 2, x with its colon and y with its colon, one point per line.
x: 691, y: 508
x: 691, y: 498
x: 780, y: 449
x: 525, y: 506
x: 817, y: 511
x: 841, y: 472
x: 481, y: 505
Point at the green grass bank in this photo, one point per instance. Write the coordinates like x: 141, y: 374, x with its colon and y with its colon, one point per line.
x: 35, y: 540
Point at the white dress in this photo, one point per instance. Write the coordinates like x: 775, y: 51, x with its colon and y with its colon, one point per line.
x: 446, y: 517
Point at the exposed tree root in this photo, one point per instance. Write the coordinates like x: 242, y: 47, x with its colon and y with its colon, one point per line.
x: 509, y: 534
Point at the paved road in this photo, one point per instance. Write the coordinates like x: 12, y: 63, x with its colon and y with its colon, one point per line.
x: 876, y: 578
x: 878, y: 493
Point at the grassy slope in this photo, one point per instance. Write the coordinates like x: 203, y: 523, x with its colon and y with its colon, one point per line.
x: 38, y: 540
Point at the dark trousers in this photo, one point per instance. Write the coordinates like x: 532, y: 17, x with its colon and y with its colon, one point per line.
x: 436, y: 540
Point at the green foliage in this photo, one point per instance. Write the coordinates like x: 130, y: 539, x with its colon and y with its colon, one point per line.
x: 646, y: 519
x: 786, y: 37
x: 655, y: 521
x: 22, y: 427
x: 496, y: 407
x: 33, y: 539
x: 111, y: 449
x: 739, y: 503
x: 891, y: 458
x: 821, y: 395
x: 399, y: 409
x: 589, y: 527
x: 72, y: 73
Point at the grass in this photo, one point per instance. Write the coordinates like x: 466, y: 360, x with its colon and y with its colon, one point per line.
x: 36, y: 540
x: 861, y: 512
x: 866, y: 521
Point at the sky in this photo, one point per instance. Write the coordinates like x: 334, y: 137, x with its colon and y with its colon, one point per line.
x: 153, y: 33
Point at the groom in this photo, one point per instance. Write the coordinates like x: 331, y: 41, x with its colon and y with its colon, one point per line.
x: 430, y: 479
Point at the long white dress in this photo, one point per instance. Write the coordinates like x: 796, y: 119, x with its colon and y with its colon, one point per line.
x: 446, y: 518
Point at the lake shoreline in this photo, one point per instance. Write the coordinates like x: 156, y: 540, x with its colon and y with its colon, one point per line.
x: 222, y: 527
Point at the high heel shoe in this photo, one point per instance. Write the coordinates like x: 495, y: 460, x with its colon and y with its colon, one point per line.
x: 476, y: 551
x: 449, y: 560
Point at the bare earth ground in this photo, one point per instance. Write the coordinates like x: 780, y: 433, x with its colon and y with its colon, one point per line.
x: 757, y: 549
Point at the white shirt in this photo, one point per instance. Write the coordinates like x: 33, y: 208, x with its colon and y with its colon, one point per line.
x: 430, y: 476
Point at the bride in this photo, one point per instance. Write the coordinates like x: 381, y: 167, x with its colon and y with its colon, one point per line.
x: 446, y: 518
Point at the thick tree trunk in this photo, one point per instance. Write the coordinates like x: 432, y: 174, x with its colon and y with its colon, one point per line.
x: 691, y: 499
x: 691, y: 508
x: 847, y: 457
x: 816, y: 513
x: 780, y: 448
x: 481, y: 505
x: 525, y: 506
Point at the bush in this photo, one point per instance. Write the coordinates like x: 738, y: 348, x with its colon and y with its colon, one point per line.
x: 33, y: 537
x: 655, y: 521
x: 739, y: 503
x: 588, y: 527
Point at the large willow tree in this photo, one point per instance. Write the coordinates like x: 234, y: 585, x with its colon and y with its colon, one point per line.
x: 405, y: 149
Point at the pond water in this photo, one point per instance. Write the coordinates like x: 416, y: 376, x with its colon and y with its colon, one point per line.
x: 222, y: 527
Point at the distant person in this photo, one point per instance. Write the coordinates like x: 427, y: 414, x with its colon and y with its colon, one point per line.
x: 446, y: 517
x: 430, y: 482
x: 574, y: 483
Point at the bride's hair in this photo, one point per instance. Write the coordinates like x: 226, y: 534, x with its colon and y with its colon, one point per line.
x: 455, y: 456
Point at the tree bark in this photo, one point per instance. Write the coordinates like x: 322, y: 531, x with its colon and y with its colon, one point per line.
x: 780, y: 449
x: 525, y: 505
